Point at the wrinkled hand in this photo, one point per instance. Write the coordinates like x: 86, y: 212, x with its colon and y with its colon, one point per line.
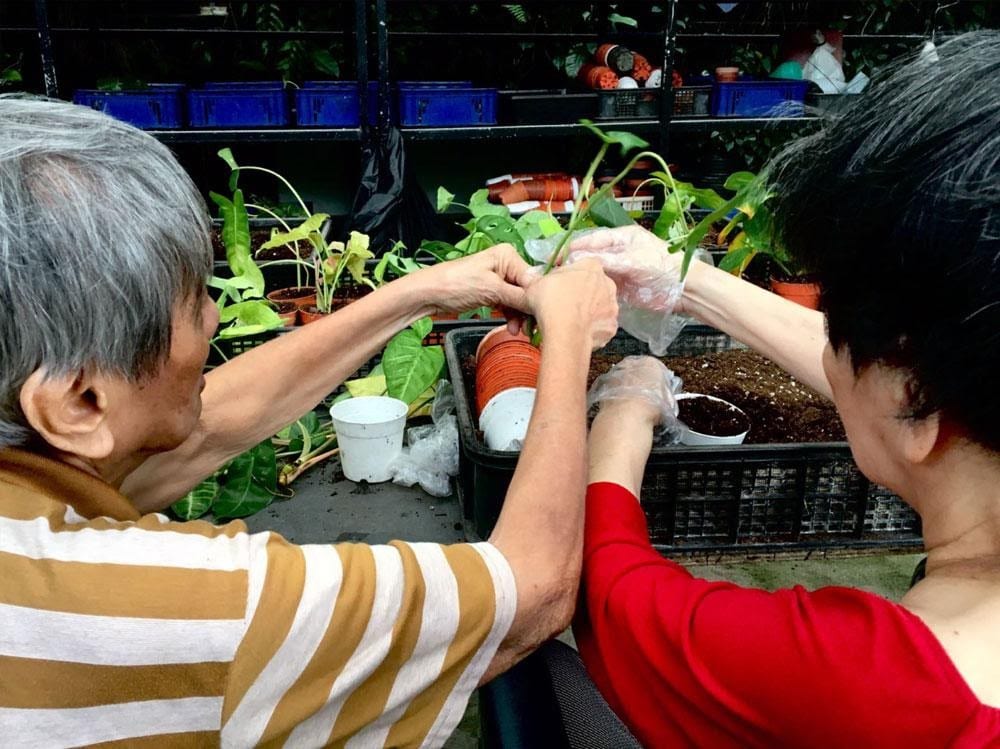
x: 578, y: 294
x: 496, y: 277
x: 641, y: 386
x: 648, y: 277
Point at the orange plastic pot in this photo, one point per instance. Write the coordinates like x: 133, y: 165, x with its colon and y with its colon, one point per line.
x: 504, y: 361
x: 805, y: 293
x: 301, y: 296
x: 311, y: 315
x: 288, y: 313
x: 495, y: 314
x: 598, y: 76
x: 727, y: 75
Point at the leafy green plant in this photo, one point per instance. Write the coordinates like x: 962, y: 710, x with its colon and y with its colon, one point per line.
x: 328, y: 261
x: 10, y: 71
x: 752, y: 231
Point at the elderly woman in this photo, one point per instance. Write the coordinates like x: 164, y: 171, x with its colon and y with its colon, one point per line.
x: 896, y: 207
x: 119, y: 627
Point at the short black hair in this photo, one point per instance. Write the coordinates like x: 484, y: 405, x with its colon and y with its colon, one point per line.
x: 895, y: 206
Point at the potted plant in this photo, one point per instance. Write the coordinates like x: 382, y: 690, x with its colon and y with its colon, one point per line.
x: 754, y: 235
x: 327, y: 262
x: 708, y: 420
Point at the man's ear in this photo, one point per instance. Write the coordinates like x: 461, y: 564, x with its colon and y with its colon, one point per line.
x: 70, y: 412
x: 920, y: 437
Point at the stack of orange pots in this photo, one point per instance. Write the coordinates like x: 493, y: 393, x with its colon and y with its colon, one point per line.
x: 504, y: 361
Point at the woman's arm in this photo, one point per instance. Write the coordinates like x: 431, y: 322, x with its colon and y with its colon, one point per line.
x: 785, y: 332
x: 258, y: 393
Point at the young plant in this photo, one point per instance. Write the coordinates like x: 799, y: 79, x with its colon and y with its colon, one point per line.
x: 327, y: 261
x: 754, y: 235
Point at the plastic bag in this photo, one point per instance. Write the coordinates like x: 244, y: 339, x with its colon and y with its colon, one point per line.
x: 432, y: 456
x: 646, y: 379
x: 823, y: 69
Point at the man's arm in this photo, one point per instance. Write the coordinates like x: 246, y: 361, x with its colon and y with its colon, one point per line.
x: 251, y: 397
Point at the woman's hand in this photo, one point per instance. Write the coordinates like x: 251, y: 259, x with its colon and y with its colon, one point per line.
x: 647, y: 275
x: 634, y: 397
x: 496, y: 277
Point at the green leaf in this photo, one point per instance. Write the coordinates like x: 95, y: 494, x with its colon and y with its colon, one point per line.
x: 670, y: 215
x: 226, y: 155
x: 537, y: 225
x: 236, y: 238
x: 238, y: 331
x: 251, y: 312
x: 196, y: 502
x: 423, y: 327
x: 410, y: 367
x: 482, y: 313
x: 249, y: 483
x: 480, y: 205
x: 500, y: 229
x: 733, y: 260
x: 324, y: 62
x: 608, y: 212
x: 306, y: 429
x: 11, y: 75
x: 626, y: 141
x: 355, y: 255
x: 303, y: 231
x: 739, y: 180
x: 623, y: 20
x: 438, y: 250
x: 444, y: 199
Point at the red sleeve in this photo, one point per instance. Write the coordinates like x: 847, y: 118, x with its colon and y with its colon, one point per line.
x: 688, y: 662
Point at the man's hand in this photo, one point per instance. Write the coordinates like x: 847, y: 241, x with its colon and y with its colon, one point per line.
x: 576, y: 295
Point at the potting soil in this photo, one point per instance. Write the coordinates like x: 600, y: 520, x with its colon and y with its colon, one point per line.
x: 707, y: 416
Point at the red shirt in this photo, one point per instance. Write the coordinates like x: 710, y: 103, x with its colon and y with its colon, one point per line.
x: 688, y: 662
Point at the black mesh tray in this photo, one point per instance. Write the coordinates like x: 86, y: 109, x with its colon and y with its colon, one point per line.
x: 739, y: 499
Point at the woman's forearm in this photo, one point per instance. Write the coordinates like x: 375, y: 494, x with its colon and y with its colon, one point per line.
x: 621, y: 438
x: 787, y: 333
x: 256, y: 394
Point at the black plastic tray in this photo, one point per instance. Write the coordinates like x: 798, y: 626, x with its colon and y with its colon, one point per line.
x: 742, y: 499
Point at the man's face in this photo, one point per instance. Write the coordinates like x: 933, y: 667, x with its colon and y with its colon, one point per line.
x: 160, y: 412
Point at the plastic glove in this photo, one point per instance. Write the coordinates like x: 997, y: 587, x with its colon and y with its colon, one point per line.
x: 432, y: 456
x: 643, y: 379
x: 648, y: 278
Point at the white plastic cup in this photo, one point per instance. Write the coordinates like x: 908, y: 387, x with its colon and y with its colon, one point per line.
x: 694, y: 439
x: 504, y: 420
x: 370, y: 435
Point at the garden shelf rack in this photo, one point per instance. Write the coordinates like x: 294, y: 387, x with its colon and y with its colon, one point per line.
x: 745, y: 499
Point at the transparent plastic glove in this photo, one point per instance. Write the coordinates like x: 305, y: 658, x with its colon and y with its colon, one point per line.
x: 641, y: 378
x: 648, y: 278
x: 431, y: 458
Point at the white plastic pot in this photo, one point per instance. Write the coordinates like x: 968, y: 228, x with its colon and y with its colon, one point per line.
x: 504, y: 420
x: 692, y: 438
x: 370, y: 435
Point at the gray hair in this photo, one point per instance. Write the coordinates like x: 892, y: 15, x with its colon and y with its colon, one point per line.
x: 102, y: 234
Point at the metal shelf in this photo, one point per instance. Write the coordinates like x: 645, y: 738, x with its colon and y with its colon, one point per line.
x: 262, y: 135
x: 512, y: 132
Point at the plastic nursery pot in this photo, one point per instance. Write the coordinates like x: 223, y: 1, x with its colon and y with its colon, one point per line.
x: 288, y: 313
x: 370, y: 435
x: 805, y: 293
x: 301, y: 296
x: 504, y: 421
x: 310, y: 315
x: 504, y: 361
x: 727, y: 75
x: 724, y: 416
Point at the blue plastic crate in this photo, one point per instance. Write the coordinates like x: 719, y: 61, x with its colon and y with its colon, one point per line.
x: 433, y: 106
x: 238, y: 107
x: 159, y: 107
x: 774, y: 98
x: 328, y: 104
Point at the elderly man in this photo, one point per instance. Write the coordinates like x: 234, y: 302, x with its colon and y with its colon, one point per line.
x: 117, y: 626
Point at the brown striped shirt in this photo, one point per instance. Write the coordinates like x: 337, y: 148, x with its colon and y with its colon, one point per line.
x: 117, y: 629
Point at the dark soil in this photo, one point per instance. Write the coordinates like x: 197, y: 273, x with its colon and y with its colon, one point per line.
x: 781, y: 409
x: 257, y: 238
x: 290, y: 294
x: 713, y: 417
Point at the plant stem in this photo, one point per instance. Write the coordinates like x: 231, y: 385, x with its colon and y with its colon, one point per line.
x: 284, y: 181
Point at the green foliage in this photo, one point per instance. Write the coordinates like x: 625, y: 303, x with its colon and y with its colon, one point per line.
x: 248, y: 484
x: 197, y: 502
x: 410, y: 368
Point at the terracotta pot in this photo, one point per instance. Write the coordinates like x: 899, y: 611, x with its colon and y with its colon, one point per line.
x: 301, y: 296
x: 288, y: 312
x: 598, y: 76
x: 495, y: 314
x: 727, y: 75
x: 504, y: 361
x: 805, y: 293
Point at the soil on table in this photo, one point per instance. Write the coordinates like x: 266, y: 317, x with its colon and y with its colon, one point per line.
x: 257, y: 238
x: 780, y: 408
x: 712, y: 417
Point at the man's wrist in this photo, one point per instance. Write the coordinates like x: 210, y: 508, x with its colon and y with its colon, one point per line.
x: 415, y: 295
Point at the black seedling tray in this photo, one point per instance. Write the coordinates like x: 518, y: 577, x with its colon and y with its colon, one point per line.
x: 738, y: 499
